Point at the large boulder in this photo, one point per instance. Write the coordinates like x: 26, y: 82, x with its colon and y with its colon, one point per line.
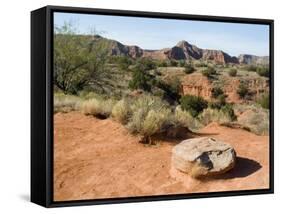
x: 201, y: 157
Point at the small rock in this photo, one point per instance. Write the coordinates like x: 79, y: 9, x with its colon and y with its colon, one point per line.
x: 201, y: 157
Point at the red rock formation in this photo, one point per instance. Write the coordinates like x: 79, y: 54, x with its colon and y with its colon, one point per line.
x: 199, y: 85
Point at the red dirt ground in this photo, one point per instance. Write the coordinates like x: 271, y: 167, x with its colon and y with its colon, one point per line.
x: 99, y: 159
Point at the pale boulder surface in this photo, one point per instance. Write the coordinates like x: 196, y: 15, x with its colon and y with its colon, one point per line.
x: 204, y: 156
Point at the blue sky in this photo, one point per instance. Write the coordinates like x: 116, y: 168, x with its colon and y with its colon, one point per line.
x: 152, y: 33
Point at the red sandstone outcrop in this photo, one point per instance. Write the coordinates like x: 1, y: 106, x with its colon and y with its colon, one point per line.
x: 199, y: 85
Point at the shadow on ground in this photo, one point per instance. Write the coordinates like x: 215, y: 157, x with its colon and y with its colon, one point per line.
x: 243, y: 168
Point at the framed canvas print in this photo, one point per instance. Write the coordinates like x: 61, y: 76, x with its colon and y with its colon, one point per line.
x: 133, y: 106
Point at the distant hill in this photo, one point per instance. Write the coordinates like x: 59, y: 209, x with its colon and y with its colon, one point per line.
x: 181, y: 51
x: 252, y: 59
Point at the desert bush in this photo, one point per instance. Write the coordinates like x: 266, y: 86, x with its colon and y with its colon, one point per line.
x: 86, y: 95
x: 124, y: 62
x: 242, y: 90
x: 263, y: 101
x: 254, y: 117
x: 219, y: 102
x: 223, y: 115
x: 181, y: 63
x: 66, y: 103
x: 163, y: 64
x: 155, y: 121
x: 146, y: 64
x: 149, y: 116
x: 263, y: 71
x: 250, y: 68
x: 188, y: 68
x: 185, y: 119
x: 209, y: 72
x: 140, y: 79
x: 121, y: 111
x: 232, y: 72
x: 173, y: 63
x: 193, y: 104
x: 229, y: 111
x: 98, y: 107
x: 200, y: 64
x: 217, y: 91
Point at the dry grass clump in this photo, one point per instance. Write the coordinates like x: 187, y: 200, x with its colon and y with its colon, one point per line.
x: 186, y: 120
x: 155, y: 121
x: 66, y: 103
x: 121, y: 111
x: 254, y: 117
x: 97, y: 107
x: 210, y: 115
x: 149, y: 116
x: 140, y: 108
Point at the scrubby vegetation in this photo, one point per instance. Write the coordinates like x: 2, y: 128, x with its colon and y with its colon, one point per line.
x: 99, y: 108
x: 188, y: 68
x: 140, y: 79
x: 263, y: 100
x: 263, y: 71
x: 232, y: 72
x: 255, y: 118
x: 66, y: 103
x: 193, y: 104
x: 242, y: 90
x: 209, y: 71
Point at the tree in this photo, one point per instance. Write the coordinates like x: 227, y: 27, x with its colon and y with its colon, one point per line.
x: 78, y: 61
x: 140, y: 79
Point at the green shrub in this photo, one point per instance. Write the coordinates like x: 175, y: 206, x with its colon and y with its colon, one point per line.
x: 223, y: 115
x: 182, y: 63
x: 185, y: 119
x: 124, y: 62
x: 228, y: 110
x: 219, y: 102
x: 200, y: 64
x: 242, y: 90
x: 149, y: 117
x: 163, y: 64
x: 155, y: 121
x: 188, y: 68
x: 121, y: 111
x: 193, y: 104
x: 173, y: 63
x: 251, y: 68
x: 263, y: 101
x: 140, y: 80
x: 209, y: 72
x: 232, y: 72
x: 263, y: 71
x: 146, y: 64
x: 217, y: 91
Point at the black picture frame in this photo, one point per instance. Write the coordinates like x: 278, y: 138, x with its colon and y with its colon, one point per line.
x: 42, y: 105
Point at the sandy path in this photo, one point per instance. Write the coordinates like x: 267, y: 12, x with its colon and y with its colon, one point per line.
x: 99, y: 159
